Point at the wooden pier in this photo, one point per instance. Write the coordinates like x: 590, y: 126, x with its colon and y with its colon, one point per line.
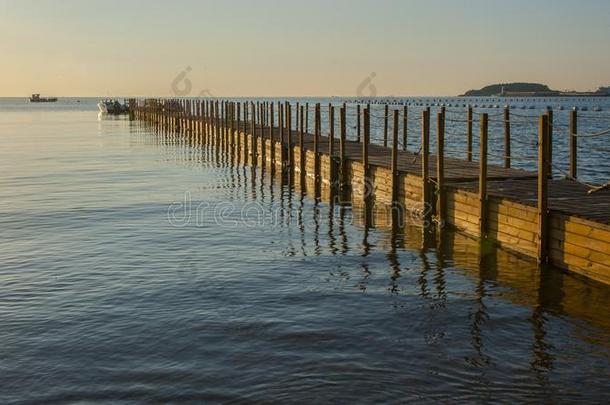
x: 561, y: 222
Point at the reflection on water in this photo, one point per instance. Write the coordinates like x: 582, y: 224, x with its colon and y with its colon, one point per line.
x: 263, y: 293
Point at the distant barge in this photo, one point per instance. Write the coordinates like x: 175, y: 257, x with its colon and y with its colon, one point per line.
x: 37, y: 99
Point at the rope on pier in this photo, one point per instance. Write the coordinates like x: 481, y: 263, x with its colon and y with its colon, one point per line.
x: 592, y: 187
x: 459, y: 120
x: 524, y: 116
x: 593, y: 135
x: 489, y: 115
x: 594, y: 117
x: 513, y: 157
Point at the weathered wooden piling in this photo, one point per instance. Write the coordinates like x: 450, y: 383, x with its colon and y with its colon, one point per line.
x: 332, y: 166
x: 342, y: 145
x: 425, y: 167
x: 549, y: 149
x: 542, y: 192
x: 366, y: 189
x: 272, y: 135
x: 316, y: 151
x: 358, y: 123
x: 469, y: 118
x: 405, y: 127
x: 385, y: 126
x: 289, y: 150
x: 394, y: 159
x: 302, y: 154
x: 440, y: 168
x: 483, y: 211
x: 507, y: 156
x: 573, y: 129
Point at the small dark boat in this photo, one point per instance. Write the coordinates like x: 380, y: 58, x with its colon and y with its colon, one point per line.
x: 37, y: 99
x: 114, y: 107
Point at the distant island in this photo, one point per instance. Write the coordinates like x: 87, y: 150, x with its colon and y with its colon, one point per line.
x: 531, y: 90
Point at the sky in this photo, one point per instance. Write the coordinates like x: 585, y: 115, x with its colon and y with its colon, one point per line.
x: 299, y: 48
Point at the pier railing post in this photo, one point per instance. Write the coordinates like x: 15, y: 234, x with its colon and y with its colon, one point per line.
x: 367, y: 187
x: 253, y: 135
x: 331, y: 148
x: 440, y: 169
x: 573, y: 143
x: 483, y: 175
x: 306, y: 118
x: 405, y: 127
x: 342, y: 140
x: 281, y: 123
x: 316, y: 147
x: 217, y: 124
x: 425, y: 170
x: 232, y: 138
x: 289, y: 150
x: 469, y: 133
x: 542, y: 192
x: 301, y: 147
x: 261, y: 131
x: 507, y: 152
x: 385, y: 125
x: 395, y: 158
x: 358, y: 123
x: 244, y: 136
x: 272, y: 135
x: 237, y: 118
x: 549, y: 150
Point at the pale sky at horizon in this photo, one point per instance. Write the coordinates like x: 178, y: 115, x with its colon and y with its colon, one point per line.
x: 290, y: 48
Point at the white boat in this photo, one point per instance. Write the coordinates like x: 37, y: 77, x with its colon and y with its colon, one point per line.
x: 110, y: 106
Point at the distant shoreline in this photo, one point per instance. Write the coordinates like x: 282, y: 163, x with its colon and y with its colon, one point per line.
x: 531, y: 90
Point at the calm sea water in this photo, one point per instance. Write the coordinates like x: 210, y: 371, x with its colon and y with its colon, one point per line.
x: 137, y: 268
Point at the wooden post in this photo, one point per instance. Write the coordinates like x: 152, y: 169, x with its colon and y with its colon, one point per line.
x: 483, y: 176
x: 573, y: 143
x: 238, y: 136
x: 217, y: 123
x: 331, y: 147
x: 272, y: 134
x: 385, y: 126
x: 342, y: 139
x: 469, y: 133
x: 223, y: 123
x: 507, y: 157
x: 260, y: 131
x: 301, y: 148
x: 440, y: 169
x: 178, y: 107
x: 245, y: 133
x: 425, y: 170
x: 549, y: 149
x: 331, y: 127
x: 365, y: 155
x: 280, y: 110
x: 254, y: 141
x: 543, y: 145
x: 358, y: 123
x: 306, y: 118
x: 405, y: 128
x: 289, y: 150
x: 395, y: 158
x: 316, y: 141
